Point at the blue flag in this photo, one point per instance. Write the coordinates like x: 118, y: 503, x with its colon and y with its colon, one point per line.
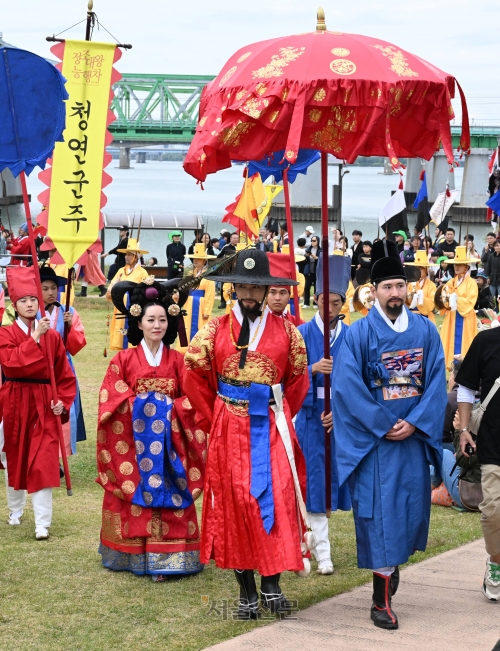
x: 421, y: 204
x: 494, y: 202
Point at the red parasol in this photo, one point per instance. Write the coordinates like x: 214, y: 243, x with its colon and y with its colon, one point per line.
x: 344, y: 94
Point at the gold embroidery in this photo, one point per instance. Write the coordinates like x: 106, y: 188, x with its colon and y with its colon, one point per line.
x: 228, y: 75
x: 155, y: 447
x: 298, y: 353
x: 194, y: 474
x: 255, y: 108
x: 284, y: 94
x: 240, y: 94
x: 243, y: 57
x: 202, y: 121
x: 231, y: 136
x: 273, y: 116
x: 146, y: 464
x: 378, y: 92
x: 136, y: 510
x: 117, y: 427
x: 101, y: 436
x: 278, y: 62
x: 155, y: 481
x: 176, y: 499
x: 399, y: 64
x: 189, y: 434
x: 121, y: 386
x: 105, y: 417
x: 335, y: 129
x: 122, y: 447
x: 115, y: 368
x: 201, y: 349
x: 104, y: 478
x: 319, y: 95
x: 196, y: 493
x: 260, y: 89
x: 341, y: 51
x: 191, y: 528
x: 104, y: 456
x: 186, y: 404
x: 315, y: 115
x: 117, y: 493
x: 103, y: 395
x: 192, y: 455
x: 343, y: 67
x: 111, y: 476
x: 175, y: 425
x: 159, y: 384
x: 150, y: 409
x: 179, y: 513
x: 139, y: 447
x: 258, y: 368
x: 128, y: 487
x: 123, y: 407
x: 200, y: 435
x: 139, y: 425
x: 126, y: 468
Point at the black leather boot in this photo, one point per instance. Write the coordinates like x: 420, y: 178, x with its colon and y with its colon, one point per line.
x: 249, y: 599
x: 272, y: 598
x: 381, y: 611
x: 83, y: 292
x: 395, y: 581
x: 102, y: 290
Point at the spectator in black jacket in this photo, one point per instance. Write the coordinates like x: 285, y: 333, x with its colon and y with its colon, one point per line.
x: 357, y: 250
x: 492, y: 270
x: 484, y: 298
x: 120, y: 257
x: 176, y: 252
x: 490, y: 241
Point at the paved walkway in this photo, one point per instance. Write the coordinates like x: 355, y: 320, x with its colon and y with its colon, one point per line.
x: 439, y: 605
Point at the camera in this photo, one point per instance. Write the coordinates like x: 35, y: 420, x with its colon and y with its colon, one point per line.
x: 469, y: 450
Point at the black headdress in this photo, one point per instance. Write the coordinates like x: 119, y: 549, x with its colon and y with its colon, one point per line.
x: 252, y: 266
x: 386, y: 263
x: 143, y: 294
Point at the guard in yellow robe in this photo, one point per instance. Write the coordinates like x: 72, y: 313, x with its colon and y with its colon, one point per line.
x: 201, y: 300
x: 421, y: 292
x: 134, y: 272
x: 346, y: 307
x: 459, y: 297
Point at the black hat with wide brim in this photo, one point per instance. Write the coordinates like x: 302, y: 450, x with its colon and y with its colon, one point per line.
x: 47, y: 273
x: 252, y: 267
x: 386, y: 263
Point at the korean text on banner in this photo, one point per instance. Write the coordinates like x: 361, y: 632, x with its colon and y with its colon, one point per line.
x: 77, y: 165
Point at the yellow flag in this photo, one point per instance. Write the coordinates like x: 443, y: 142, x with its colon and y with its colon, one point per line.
x: 271, y: 191
x: 77, y: 165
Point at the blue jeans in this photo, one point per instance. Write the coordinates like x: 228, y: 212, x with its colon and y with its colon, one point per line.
x: 495, y: 291
x: 451, y: 483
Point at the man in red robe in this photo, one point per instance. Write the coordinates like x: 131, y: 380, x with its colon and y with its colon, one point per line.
x: 28, y: 432
x: 21, y: 247
x: 280, y: 299
x: 238, y: 368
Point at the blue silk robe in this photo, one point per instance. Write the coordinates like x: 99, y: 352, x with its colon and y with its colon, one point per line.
x: 310, y: 431
x: 382, y: 376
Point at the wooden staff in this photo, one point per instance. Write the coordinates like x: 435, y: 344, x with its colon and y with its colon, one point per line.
x: 47, y: 351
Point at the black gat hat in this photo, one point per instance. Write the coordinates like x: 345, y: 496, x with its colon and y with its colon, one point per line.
x: 252, y: 267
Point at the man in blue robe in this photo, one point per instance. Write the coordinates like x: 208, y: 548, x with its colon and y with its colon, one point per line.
x: 389, y: 400
x: 310, y: 424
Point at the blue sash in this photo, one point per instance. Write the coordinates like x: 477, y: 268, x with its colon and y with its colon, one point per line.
x: 163, y: 481
x: 459, y: 328
x: 261, y: 484
x: 291, y: 306
x: 197, y: 295
x: 125, y: 327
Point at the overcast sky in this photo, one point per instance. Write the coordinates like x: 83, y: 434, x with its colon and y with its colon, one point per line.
x: 196, y: 37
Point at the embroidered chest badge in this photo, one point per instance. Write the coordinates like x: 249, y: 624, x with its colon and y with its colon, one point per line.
x: 404, y: 368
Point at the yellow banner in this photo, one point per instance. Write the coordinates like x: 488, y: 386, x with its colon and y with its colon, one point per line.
x: 77, y: 165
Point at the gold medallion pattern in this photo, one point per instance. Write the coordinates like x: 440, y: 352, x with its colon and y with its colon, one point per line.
x: 121, y: 386
x: 255, y: 108
x: 176, y: 499
x: 191, y: 528
x: 136, y: 510
x: 147, y: 497
x: 104, y: 478
x: 146, y: 465
x: 179, y: 513
x: 155, y: 447
x: 228, y: 75
x: 331, y: 135
x: 128, y: 487
x: 200, y: 435
x: 139, y: 447
x: 186, y: 404
x: 150, y: 409
x: 155, y: 481
x: 117, y: 493
x: 117, y: 427
x: 115, y: 368
x: 111, y: 476
x: 196, y: 493
x: 181, y: 483
x: 104, y: 456
x: 139, y: 425
x: 122, y: 447
x: 399, y: 64
x: 103, y: 395
x: 341, y: 51
x: 158, y: 426
x: 343, y: 67
x: 105, y: 417
x: 278, y: 62
x: 126, y: 468
x: 231, y: 136
x: 101, y: 436
x: 172, y: 455
x: 243, y: 57
x: 194, y: 474
x: 314, y: 115
x: 123, y: 407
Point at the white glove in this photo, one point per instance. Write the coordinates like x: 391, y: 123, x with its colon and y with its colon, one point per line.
x: 351, y: 305
x: 453, y: 301
x: 420, y: 297
x: 413, y: 303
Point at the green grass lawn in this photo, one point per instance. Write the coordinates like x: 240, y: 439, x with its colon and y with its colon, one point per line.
x: 55, y: 594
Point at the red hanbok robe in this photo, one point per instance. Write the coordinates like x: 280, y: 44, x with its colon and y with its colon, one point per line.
x: 21, y: 246
x: 30, y: 426
x: 127, y: 527
x: 232, y: 530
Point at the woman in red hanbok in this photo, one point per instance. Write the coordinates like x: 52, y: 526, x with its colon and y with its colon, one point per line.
x: 231, y: 383
x: 27, y: 412
x: 150, y: 453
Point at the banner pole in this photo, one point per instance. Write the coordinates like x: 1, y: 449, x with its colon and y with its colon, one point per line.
x: 326, y: 326
x: 289, y: 226
x: 47, y: 352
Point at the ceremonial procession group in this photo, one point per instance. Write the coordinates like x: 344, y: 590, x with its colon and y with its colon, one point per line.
x: 233, y: 408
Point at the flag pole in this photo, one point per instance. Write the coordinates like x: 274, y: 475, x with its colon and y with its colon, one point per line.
x: 4, y: 192
x: 289, y: 227
x: 326, y: 326
x: 47, y: 351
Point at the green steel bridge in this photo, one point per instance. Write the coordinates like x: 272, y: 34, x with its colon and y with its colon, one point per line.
x: 163, y: 109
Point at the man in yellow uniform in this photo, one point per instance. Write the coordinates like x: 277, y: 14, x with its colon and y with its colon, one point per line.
x: 421, y: 292
x: 134, y: 272
x: 459, y: 297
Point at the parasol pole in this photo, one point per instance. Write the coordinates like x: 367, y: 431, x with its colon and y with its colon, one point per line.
x: 4, y: 192
x: 47, y: 351
x: 289, y: 226
x: 326, y: 325
x: 90, y: 15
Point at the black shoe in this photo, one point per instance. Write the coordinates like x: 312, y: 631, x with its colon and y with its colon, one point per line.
x: 381, y: 611
x: 61, y: 471
x: 83, y: 292
x: 102, y: 290
x: 272, y: 599
x: 222, y: 306
x: 248, y: 607
x: 395, y: 581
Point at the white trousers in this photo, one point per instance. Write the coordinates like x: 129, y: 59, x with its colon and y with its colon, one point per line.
x: 319, y: 526
x: 16, y: 500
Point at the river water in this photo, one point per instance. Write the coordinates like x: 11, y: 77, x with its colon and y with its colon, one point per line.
x: 158, y: 187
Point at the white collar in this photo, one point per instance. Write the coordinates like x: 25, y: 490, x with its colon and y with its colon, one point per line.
x: 336, y: 331
x: 401, y: 323
x: 461, y: 280
x: 152, y: 360
x: 253, y: 325
x: 24, y: 327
